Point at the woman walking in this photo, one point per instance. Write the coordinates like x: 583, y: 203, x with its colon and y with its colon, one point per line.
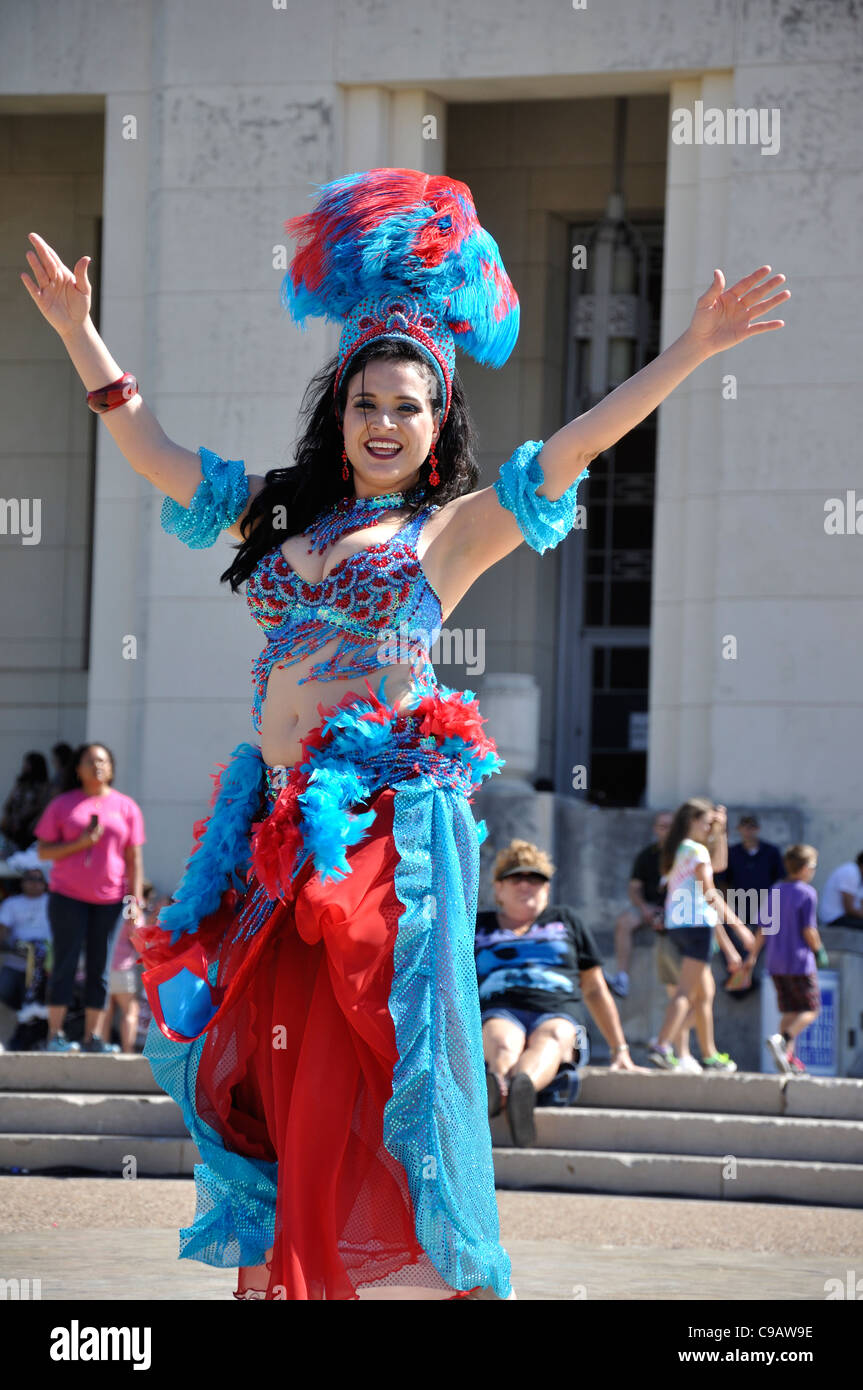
x: 694, y: 910
x: 313, y: 983
x: 92, y: 835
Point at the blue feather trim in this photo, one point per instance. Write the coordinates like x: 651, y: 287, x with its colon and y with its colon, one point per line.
x: 464, y: 282
x: 223, y: 854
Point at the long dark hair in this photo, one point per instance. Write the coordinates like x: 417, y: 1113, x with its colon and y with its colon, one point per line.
x: 33, y: 769
x: 71, y: 780
x: 315, y: 483
x: 679, y: 829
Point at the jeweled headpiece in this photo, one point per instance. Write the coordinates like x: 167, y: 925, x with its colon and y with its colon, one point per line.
x: 395, y: 253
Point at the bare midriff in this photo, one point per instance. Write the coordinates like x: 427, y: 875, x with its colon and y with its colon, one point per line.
x: 290, y: 710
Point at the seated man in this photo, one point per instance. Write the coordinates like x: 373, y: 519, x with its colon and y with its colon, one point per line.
x: 842, y: 899
x: 25, y: 931
x: 647, y: 896
x: 532, y: 958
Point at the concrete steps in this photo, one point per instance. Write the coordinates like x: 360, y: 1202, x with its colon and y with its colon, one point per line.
x: 680, y: 1175
x: 701, y: 1134
x: 102, y: 1114
x: 121, y: 1155
x: 91, y: 1114
x: 742, y: 1093
x: 69, y: 1071
x: 739, y: 1137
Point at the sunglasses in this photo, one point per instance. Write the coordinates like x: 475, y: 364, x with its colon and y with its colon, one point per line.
x: 526, y: 878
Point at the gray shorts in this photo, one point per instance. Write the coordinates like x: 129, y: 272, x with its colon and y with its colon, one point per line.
x: 125, y: 981
x: 668, y: 959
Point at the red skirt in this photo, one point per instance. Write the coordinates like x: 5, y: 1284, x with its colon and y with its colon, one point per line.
x: 286, y: 1089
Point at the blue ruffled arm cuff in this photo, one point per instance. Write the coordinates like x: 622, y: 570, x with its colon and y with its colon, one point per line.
x: 543, y: 522
x: 220, y: 497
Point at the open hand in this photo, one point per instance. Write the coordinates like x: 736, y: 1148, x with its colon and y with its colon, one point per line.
x: 724, y: 317
x: 62, y: 296
x: 623, y: 1062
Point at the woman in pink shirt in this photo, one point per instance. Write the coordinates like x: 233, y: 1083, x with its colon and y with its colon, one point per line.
x: 92, y: 834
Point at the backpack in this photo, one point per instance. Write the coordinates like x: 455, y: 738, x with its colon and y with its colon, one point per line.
x: 563, y: 1088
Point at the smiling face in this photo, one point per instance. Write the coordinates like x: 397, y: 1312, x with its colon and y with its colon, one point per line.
x: 389, y: 403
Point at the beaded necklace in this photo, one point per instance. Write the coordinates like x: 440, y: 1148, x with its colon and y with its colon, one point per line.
x: 349, y: 514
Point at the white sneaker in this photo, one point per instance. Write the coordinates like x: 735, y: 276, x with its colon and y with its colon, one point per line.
x: 688, y: 1065
x: 779, y: 1049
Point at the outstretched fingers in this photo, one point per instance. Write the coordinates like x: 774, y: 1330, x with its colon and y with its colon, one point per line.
x: 38, y: 269
x: 47, y: 258
x: 754, y: 295
x: 764, y: 327
x: 745, y: 285
x: 757, y: 309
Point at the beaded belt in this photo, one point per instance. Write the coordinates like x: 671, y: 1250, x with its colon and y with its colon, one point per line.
x: 405, y: 754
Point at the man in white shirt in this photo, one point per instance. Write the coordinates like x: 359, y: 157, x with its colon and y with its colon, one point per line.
x: 24, y: 921
x: 842, y: 898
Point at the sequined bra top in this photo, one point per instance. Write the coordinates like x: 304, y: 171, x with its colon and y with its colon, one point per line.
x: 377, y: 602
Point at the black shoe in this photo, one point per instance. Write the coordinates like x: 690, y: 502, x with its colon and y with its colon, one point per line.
x: 495, y: 1099
x: 519, y: 1110
x: 94, y: 1044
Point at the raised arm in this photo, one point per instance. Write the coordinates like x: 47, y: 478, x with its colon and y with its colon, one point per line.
x: 63, y: 297
x: 534, y: 499
x: 722, y: 319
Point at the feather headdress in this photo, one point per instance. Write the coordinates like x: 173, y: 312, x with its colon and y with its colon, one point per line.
x: 398, y: 253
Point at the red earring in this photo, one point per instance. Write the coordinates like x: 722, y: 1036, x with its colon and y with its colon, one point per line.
x: 345, y: 469
x: 434, y: 476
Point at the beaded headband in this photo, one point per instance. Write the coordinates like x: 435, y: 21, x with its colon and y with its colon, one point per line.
x: 395, y: 253
x: 404, y: 317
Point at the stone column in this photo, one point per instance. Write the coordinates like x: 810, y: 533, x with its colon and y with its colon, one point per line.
x: 384, y: 129
x: 123, y: 501
x: 684, y: 651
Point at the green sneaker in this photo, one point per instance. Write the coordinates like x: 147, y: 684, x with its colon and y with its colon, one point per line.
x: 663, y: 1056
x: 719, y: 1062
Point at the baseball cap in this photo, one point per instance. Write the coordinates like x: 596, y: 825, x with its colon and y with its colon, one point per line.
x: 521, y: 857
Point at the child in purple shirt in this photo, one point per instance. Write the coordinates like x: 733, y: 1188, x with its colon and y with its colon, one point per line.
x: 791, y: 954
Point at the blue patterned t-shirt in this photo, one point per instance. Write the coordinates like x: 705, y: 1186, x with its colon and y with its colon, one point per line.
x: 538, y: 969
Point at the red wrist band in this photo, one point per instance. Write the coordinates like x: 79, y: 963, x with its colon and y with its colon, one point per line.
x: 109, y: 397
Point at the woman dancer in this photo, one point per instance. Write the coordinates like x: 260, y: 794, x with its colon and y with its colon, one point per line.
x: 313, y: 986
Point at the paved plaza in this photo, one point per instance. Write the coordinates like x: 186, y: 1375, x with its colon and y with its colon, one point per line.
x: 93, y: 1238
